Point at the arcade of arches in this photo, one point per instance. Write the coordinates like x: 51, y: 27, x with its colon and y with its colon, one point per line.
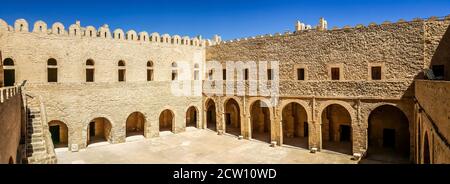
x: 388, y: 128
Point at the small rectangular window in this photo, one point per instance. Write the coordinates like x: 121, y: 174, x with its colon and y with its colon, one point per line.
x: 246, y: 74
x: 335, y: 74
x: 438, y: 71
x: 52, y: 75
x: 224, y: 74
x: 89, y: 75
x: 269, y: 74
x: 149, y: 75
x: 121, y: 75
x: 300, y: 74
x: 376, y: 72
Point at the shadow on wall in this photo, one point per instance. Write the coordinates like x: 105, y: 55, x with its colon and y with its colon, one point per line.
x: 441, y: 57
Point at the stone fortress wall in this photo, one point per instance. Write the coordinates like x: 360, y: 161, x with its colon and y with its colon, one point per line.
x: 75, y: 102
x: 402, y: 50
x: 353, y: 115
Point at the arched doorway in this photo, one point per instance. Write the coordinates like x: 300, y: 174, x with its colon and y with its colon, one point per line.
x: 388, y: 134
x: 9, y: 73
x: 59, y: 132
x: 295, y: 125
x: 211, y: 115
x: 232, y: 117
x: 191, y: 117
x: 336, y: 129
x: 11, y: 160
x: 166, y: 120
x: 99, y: 130
x: 135, y: 124
x: 426, y: 150
x: 260, y: 121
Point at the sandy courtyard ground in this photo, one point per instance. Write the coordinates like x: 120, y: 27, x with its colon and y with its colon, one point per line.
x: 196, y: 146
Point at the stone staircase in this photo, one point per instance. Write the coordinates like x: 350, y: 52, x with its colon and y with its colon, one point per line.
x: 39, y: 146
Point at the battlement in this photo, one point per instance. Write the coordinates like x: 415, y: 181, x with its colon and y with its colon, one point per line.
x: 76, y: 30
x: 323, y: 24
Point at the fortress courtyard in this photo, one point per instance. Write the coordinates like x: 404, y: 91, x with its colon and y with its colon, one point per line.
x: 196, y: 146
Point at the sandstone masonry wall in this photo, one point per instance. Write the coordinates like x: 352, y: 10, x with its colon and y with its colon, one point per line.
x: 10, y: 123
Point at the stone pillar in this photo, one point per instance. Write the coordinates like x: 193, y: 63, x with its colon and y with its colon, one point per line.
x: 247, y: 128
x: 220, y: 117
x: 205, y: 119
x: 315, y: 128
x: 359, y: 131
x: 277, y: 131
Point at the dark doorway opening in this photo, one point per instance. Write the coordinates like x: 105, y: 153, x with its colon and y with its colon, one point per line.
x: 389, y: 138
x: 228, y: 118
x: 426, y: 151
x: 305, y: 129
x: 345, y: 133
x: 54, y: 130
x: 92, y: 129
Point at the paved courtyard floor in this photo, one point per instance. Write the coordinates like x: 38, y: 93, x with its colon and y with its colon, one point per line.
x: 196, y: 146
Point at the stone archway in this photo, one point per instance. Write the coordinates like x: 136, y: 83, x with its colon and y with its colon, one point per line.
x: 166, y: 119
x: 232, y: 117
x: 388, y: 135
x: 191, y: 117
x: 295, y: 125
x: 211, y: 122
x: 260, y: 121
x: 99, y: 130
x: 59, y: 133
x: 135, y: 124
x: 336, y: 129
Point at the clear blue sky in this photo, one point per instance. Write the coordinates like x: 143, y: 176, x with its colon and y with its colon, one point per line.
x: 228, y: 18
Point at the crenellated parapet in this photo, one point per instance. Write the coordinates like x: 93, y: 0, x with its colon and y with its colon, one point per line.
x: 104, y: 32
x: 301, y: 28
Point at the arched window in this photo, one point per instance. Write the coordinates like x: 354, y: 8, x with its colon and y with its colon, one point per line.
x: 149, y: 71
x: 90, y: 70
x: 174, y: 71
x: 9, y: 73
x: 196, y: 71
x: 52, y: 70
x: 121, y: 65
